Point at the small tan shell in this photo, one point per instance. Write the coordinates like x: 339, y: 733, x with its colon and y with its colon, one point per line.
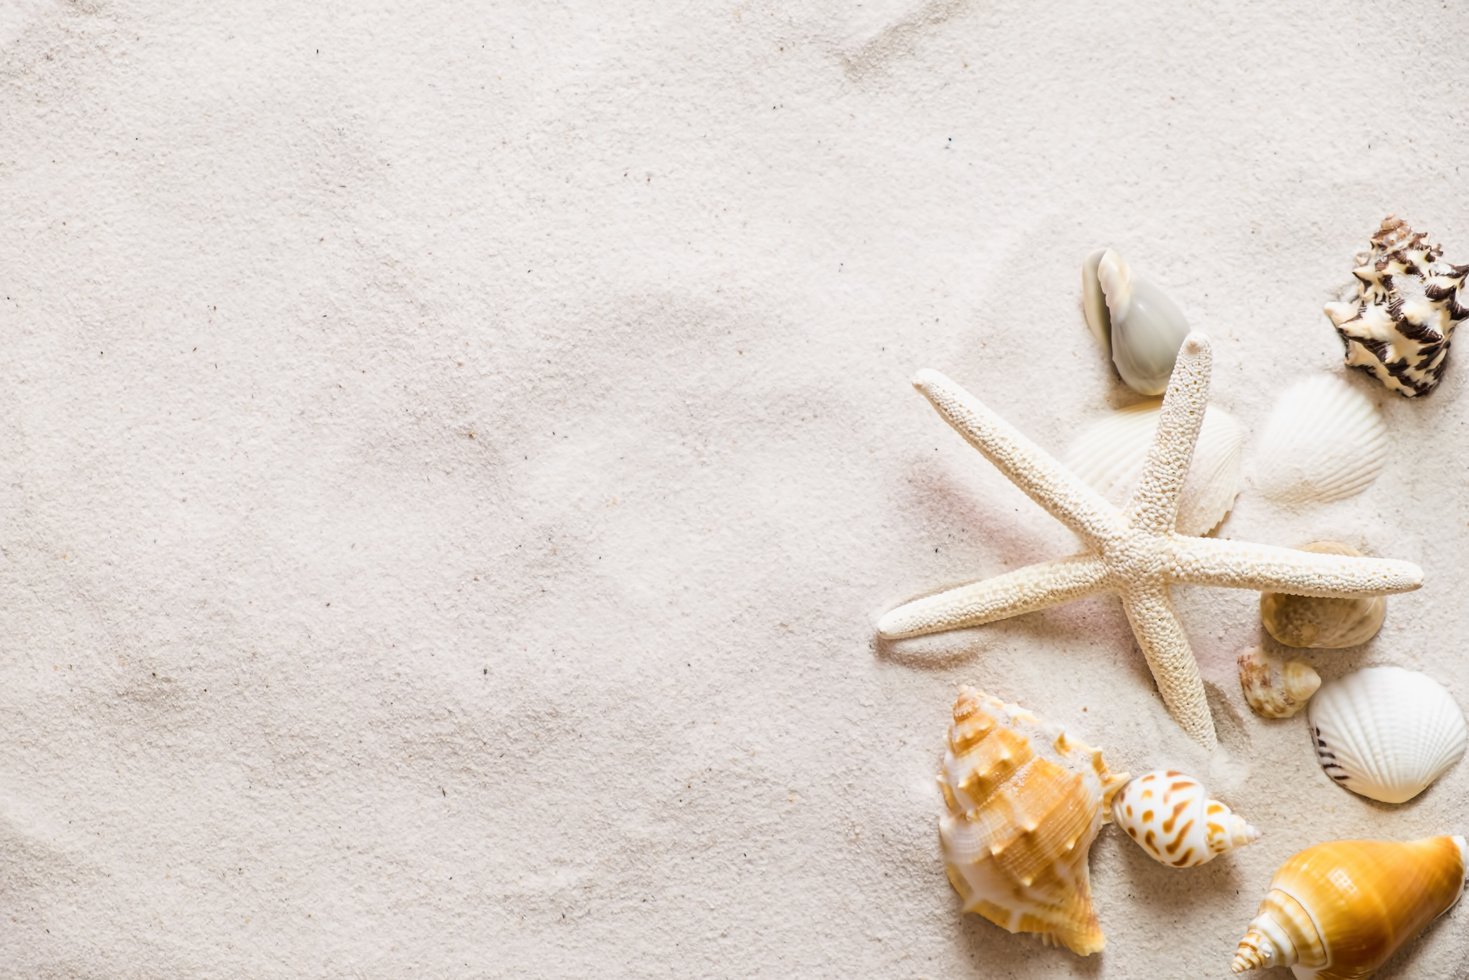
x: 1319, y: 623
x: 1275, y: 689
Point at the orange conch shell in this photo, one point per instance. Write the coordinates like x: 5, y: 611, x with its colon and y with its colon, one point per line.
x: 1025, y: 802
x: 1338, y: 911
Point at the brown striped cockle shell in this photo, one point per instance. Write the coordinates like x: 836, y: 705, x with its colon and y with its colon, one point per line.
x: 1172, y: 818
x: 1025, y: 800
x: 1339, y: 910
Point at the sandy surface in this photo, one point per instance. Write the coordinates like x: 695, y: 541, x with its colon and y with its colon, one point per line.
x: 455, y: 459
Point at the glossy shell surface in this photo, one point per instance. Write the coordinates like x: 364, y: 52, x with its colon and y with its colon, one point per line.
x: 1172, y: 818
x: 1339, y: 910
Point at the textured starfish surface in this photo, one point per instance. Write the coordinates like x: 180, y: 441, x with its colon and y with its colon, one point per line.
x: 1134, y: 552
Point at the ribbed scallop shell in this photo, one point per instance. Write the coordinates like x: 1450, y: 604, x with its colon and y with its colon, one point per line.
x: 1325, y: 440
x: 1275, y: 689
x: 1172, y: 818
x: 1339, y: 910
x: 1319, y: 622
x: 1398, y: 318
x: 1141, y: 325
x: 1109, y: 455
x: 1387, y: 733
x: 1025, y: 802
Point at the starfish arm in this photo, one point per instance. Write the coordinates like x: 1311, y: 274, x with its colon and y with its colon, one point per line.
x: 1012, y: 594
x: 1025, y: 464
x: 1170, y: 658
x: 1154, y: 503
x: 1266, y: 568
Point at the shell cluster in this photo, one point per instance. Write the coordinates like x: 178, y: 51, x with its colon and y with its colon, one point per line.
x: 1387, y: 733
x: 1133, y: 318
x: 1399, y: 317
x: 1320, y: 622
x: 1325, y: 440
x: 1172, y: 818
x: 1109, y: 455
x: 1025, y: 801
x: 1274, y: 688
x: 1339, y: 910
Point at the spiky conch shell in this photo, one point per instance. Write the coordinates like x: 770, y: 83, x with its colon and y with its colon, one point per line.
x: 1025, y: 801
x: 1399, y: 318
x: 1172, y: 818
x: 1339, y: 910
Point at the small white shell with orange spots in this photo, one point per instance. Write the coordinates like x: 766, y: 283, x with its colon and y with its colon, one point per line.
x: 1172, y: 818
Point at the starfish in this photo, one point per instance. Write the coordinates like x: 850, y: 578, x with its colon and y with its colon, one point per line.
x: 1134, y: 552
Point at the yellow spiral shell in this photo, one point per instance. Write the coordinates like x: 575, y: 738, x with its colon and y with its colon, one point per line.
x: 1339, y: 910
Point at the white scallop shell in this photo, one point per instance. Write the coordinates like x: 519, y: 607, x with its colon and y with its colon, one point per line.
x: 1325, y: 440
x: 1109, y: 455
x: 1387, y: 733
x: 1172, y: 818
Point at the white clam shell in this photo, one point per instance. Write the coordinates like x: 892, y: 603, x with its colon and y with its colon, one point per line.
x: 1109, y: 455
x: 1325, y: 440
x: 1172, y: 818
x: 1139, y: 322
x: 1387, y: 733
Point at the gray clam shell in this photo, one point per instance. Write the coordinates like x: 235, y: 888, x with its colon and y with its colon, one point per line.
x: 1135, y: 319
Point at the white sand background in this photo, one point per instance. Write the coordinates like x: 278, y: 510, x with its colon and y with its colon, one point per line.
x: 455, y: 454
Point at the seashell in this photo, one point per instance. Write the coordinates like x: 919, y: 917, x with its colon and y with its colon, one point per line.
x: 1325, y: 440
x: 1318, y: 622
x: 1025, y: 801
x: 1398, y: 318
x: 1172, y: 818
x: 1386, y: 733
x: 1340, y: 910
x: 1275, y: 689
x: 1110, y: 455
x: 1134, y: 319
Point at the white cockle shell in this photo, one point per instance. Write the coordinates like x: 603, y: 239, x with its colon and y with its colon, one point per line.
x: 1320, y: 622
x: 1273, y: 688
x: 1386, y: 733
x: 1325, y: 440
x: 1110, y: 453
x: 1172, y: 818
x: 1398, y: 317
x: 1134, y: 318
